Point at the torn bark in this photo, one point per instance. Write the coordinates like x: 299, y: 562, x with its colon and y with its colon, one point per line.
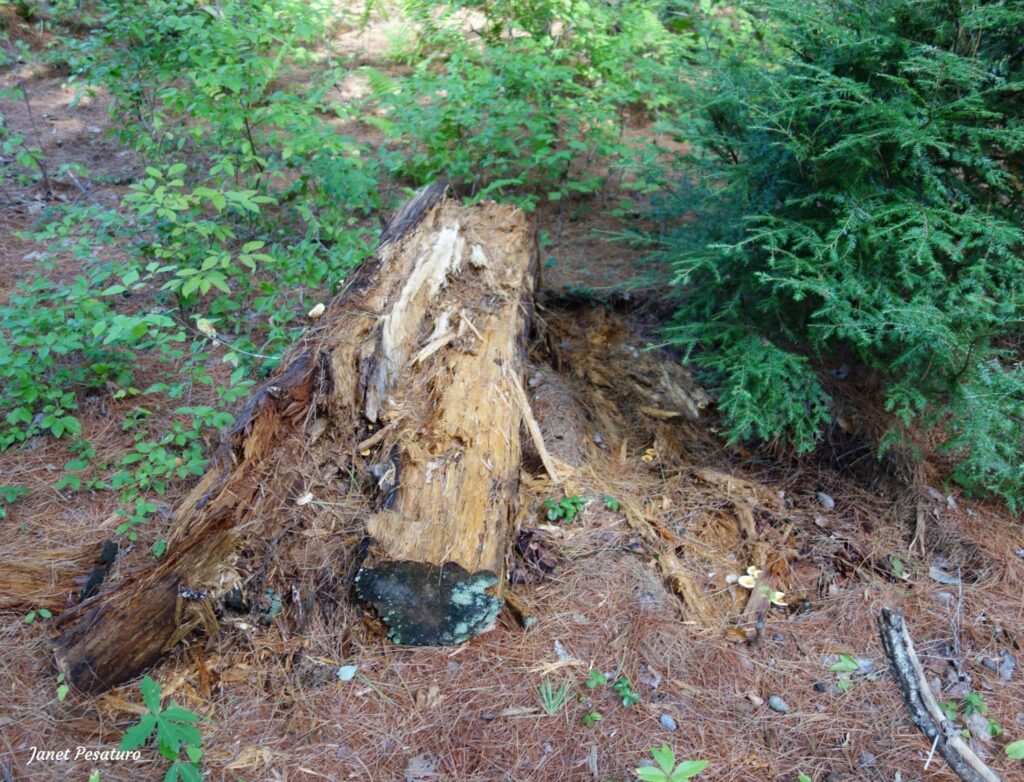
x: 410, y: 379
x: 922, y: 704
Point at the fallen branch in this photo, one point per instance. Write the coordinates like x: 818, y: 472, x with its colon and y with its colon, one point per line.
x: 924, y: 708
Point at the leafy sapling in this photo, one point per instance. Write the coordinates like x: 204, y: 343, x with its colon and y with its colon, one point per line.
x: 41, y: 613
x: 8, y: 495
x: 175, y: 729
x: 591, y: 718
x: 62, y: 688
x: 666, y: 769
x: 596, y: 679
x: 844, y: 668
x: 566, y: 509
x: 624, y: 689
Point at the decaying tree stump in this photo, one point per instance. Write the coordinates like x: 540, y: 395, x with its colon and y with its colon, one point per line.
x: 412, y: 377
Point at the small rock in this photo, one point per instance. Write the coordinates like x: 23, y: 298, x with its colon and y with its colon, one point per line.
x: 866, y: 759
x: 826, y: 502
x: 668, y: 723
x: 775, y: 703
x: 756, y: 699
x: 560, y: 651
x: 979, y: 727
x: 598, y: 440
x: 945, y: 598
x: 347, y: 673
x: 1007, y: 665
x: 865, y: 665
x: 487, y: 716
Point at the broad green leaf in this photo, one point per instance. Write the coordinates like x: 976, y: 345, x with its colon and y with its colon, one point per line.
x: 664, y: 757
x: 137, y: 734
x: 688, y: 769
x: 150, y: 694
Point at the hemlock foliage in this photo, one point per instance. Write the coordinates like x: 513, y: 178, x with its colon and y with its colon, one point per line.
x: 858, y: 196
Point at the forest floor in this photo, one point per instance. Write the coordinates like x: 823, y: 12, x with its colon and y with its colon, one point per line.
x: 840, y: 533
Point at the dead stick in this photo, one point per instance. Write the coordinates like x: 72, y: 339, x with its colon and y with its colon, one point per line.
x: 924, y: 708
x: 534, y: 429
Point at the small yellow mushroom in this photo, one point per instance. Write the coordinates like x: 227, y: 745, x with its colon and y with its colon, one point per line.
x: 317, y: 311
x: 753, y: 571
x: 747, y: 582
x: 778, y: 599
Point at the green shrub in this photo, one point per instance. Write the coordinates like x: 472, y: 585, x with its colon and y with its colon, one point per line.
x: 537, y: 112
x: 220, y: 86
x: 859, y: 196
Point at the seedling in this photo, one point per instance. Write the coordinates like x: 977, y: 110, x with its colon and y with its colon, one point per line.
x: 596, y: 679
x: 42, y: 613
x: 611, y: 503
x: 62, y: 688
x: 974, y: 703
x: 553, y: 700
x: 1015, y: 750
x: 8, y: 495
x: 667, y: 770
x: 175, y: 730
x: 590, y: 719
x: 843, y: 669
x: 898, y: 568
x: 624, y: 689
x: 566, y: 509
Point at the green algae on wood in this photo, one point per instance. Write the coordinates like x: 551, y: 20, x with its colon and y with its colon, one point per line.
x: 429, y: 605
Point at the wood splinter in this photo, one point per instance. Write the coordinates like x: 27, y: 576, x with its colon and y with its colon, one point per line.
x: 923, y: 706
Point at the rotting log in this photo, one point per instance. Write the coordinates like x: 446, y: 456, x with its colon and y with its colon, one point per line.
x: 412, y: 378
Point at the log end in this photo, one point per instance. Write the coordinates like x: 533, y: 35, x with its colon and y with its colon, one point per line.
x: 429, y: 605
